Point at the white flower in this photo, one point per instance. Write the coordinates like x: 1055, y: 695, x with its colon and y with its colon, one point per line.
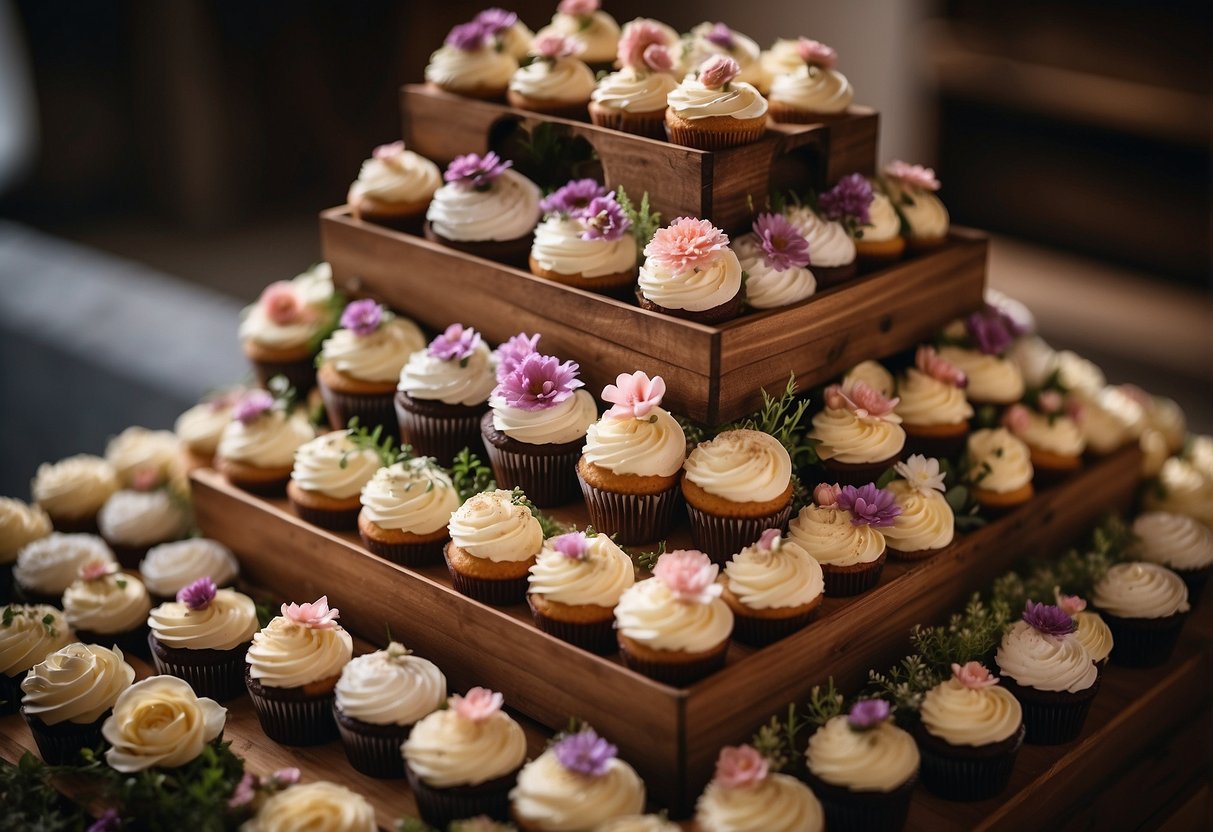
x: 160, y: 722
x: 921, y: 474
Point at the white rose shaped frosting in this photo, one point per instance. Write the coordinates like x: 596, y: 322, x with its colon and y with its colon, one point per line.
x: 556, y: 425
x: 876, y: 760
x: 450, y: 382
x: 316, y: 807
x: 650, y: 614
x: 491, y: 526
x: 20, y: 524
x: 160, y: 722
x: 110, y: 605
x: 992, y: 379
x: 597, y: 33
x: 925, y: 400
x: 828, y: 535
x: 1094, y: 635
x: 200, y: 427
x: 813, y: 90
x: 462, y: 71
x: 558, y: 247
x: 289, y: 655
x: 696, y: 289
x: 777, y: 803
x: 268, y: 442
x: 170, y: 567
x: 634, y: 92
x: 599, y: 577
x: 829, y: 243
x: 141, y: 518
x: 767, y: 287
x: 31, y: 632
x: 412, y: 496
x: 926, y: 520
x: 559, y: 80
x: 507, y: 210
x: 1044, y: 662
x: 333, y: 465
x: 551, y: 798
x: 445, y: 749
x: 1001, y: 462
x: 227, y: 622
x: 401, y: 177
x: 377, y: 357
x: 50, y: 565
x: 74, y: 487
x: 742, y: 466
x: 1061, y: 435
x: 314, y: 289
x: 691, y: 100
x: 1140, y: 590
x: 964, y: 716
x: 1173, y: 540
x: 390, y: 687
x: 139, y: 448
x: 883, y: 222
x: 784, y: 575
x: 77, y: 683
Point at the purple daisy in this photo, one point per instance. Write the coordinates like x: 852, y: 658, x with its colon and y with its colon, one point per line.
x: 604, y: 219
x: 720, y: 35
x: 539, y: 382
x: 585, y: 753
x: 849, y: 201
x: 783, y: 246
x: 868, y: 713
x: 470, y: 37
x: 475, y: 172
x: 573, y: 198
x: 1049, y: 619
x: 869, y: 505
x: 510, y: 354
x: 362, y: 317
x: 198, y: 595
x: 456, y: 343
x: 253, y: 405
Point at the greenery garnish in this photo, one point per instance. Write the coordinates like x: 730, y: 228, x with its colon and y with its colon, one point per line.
x: 783, y: 418
x: 13, y: 610
x: 645, y: 221
x: 330, y: 314
x: 959, y: 496
x: 382, y: 444
x: 550, y: 155
x: 647, y: 560
x: 551, y: 527
x: 782, y: 739
x: 29, y: 801
x: 470, y: 476
x: 1074, y: 573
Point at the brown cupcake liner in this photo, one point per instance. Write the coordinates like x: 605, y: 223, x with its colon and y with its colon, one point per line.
x: 967, y: 773
x: 299, y: 720
x: 1143, y: 642
x: 630, y: 518
x: 300, y: 374
x: 265, y: 488
x: 913, y: 556
x: 60, y: 745
x: 789, y: 114
x: 373, y: 750
x: 438, y: 807
x: 132, y: 643
x: 340, y: 520
x: 495, y: 593
x: 714, y: 139
x: 829, y: 276
x: 371, y: 411
x: 726, y: 311
x: 651, y: 127
x: 759, y: 632
x: 678, y: 674
x: 23, y: 595
x: 217, y: 674
x: 857, y: 474
x: 407, y: 554
x: 1196, y: 581
x: 596, y: 636
x: 841, y: 582
x: 441, y: 437
x: 1052, y: 717
x: 847, y: 810
x: 722, y: 537
x: 546, y: 480
x: 507, y: 252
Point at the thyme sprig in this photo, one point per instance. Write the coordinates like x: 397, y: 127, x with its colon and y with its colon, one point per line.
x: 380, y: 443
x: 645, y: 221
x: 784, y: 418
x: 470, y: 476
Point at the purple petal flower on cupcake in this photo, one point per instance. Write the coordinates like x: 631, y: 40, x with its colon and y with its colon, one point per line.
x: 469, y: 37
x: 604, y: 219
x: 721, y: 35
x: 634, y: 396
x: 554, y: 45
x: 574, y: 545
x: 198, y: 595
x: 362, y: 317
x: 572, y: 199
x: 973, y: 675
x: 739, y: 767
x: 717, y: 71
x: 991, y: 330
x: 816, y: 53
x: 868, y: 713
x: 252, y: 406
x: 689, y: 574
x: 315, y: 616
x: 495, y: 20
x: 510, y: 353
x: 475, y: 172
x: 478, y: 704
x: 849, y: 201
x: 456, y: 343
x: 585, y: 753
x: 912, y: 176
x: 539, y: 382
x: 783, y: 246
x: 1048, y: 619
x: 869, y: 505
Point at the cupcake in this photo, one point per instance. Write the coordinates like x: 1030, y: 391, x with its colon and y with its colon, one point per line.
x: 584, y: 240
x: 443, y: 392
x: 932, y: 405
x: 1000, y: 469
x: 878, y: 242
x: 199, y: 428
x: 594, y: 31
x: 634, y: 98
x: 171, y: 567
x: 67, y: 696
x: 47, y: 567
x: 555, y: 82
x: 1055, y: 441
x: 360, y: 363
x: 28, y: 634
x: 133, y: 521
x: 639, y: 823
x: 1036, y: 360
x: 281, y: 333
x: 320, y: 807
x: 579, y: 782
x: 484, y: 209
x: 1182, y: 488
x: 711, y: 110
x: 405, y: 510
x: 745, y: 794
x: 775, y: 259
x: 394, y: 187
x: 831, y: 249
x: 293, y: 667
x: 1049, y: 672
x: 873, y: 374
x: 203, y: 637
x: 673, y: 627
x: 912, y: 190
x: 106, y: 606
x: 970, y: 734
x: 20, y: 525
x: 631, y: 460
x: 1178, y: 542
x: 863, y: 768
x: 925, y: 526
x: 1145, y: 606
x: 494, y: 542
x: 327, y: 480
x: 858, y: 433
x: 536, y: 427
x: 512, y: 35
x: 160, y: 722
x: 469, y: 63
x: 142, y: 455
x: 814, y: 91
x: 379, y: 697
x: 462, y: 761
x: 72, y: 491
x: 1110, y: 421
x: 782, y: 57
x: 709, y: 40
x: 690, y: 272
x: 773, y: 587
x: 736, y: 486
x: 843, y: 531
x: 257, y: 448
x: 1091, y: 630
x: 574, y: 585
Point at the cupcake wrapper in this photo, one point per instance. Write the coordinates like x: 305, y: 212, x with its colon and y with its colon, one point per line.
x: 76, y: 525
x: 855, y: 811
x: 133, y: 643
x: 597, y: 637
x: 678, y: 674
x: 759, y: 632
x: 407, y: 554
x: 298, y: 723
x: 60, y: 745
x: 496, y: 593
x: 375, y: 755
x: 910, y: 557
x: 713, y: 139
x: 651, y: 128
x: 546, y: 480
x: 301, y: 374
x: 438, y: 807
x: 937, y: 447
x: 1052, y: 717
x: 439, y: 437
x: 221, y: 679
x: 371, y: 411
x: 631, y: 518
x: 723, y: 537
x: 267, y: 488
x: 828, y: 276
x: 967, y: 778
x: 1196, y: 579
x: 22, y: 595
x: 844, y: 583
x: 1143, y: 642
x: 339, y: 521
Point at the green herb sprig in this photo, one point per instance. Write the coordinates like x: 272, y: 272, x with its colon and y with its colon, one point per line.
x: 647, y: 560
x: 645, y: 221
x: 30, y: 801
x: 784, y: 418
x: 551, y: 526
x: 382, y: 444
x: 470, y: 476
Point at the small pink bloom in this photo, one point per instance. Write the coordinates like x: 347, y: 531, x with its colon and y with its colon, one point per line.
x: 1076, y: 410
x: 769, y: 540
x: 740, y: 767
x: 146, y: 478
x: 974, y: 675
x: 578, y: 8
x: 1017, y: 418
x: 636, y: 40
x: 1050, y: 401
x: 717, y: 71
x: 689, y: 574
x: 659, y: 58
x: 478, y: 704
x: 861, y: 398
x: 96, y: 569
x: 1072, y: 604
x: 826, y: 495
x: 816, y: 53
x: 284, y: 777
x: 686, y: 243
x: 315, y: 616
x: 281, y: 303
x: 245, y: 792
x: 914, y: 176
x: 635, y: 395
x: 388, y: 151
x: 553, y: 45
x: 927, y: 361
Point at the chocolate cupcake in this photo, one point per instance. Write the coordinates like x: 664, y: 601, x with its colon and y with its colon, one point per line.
x: 832, y: 254
x: 1145, y: 606
x: 405, y: 511
x: 28, y: 634
x: 484, y: 209
x: 494, y: 542
x: 690, y: 272
x: 203, y: 638
x: 773, y: 587
x: 575, y: 584
x: 745, y: 794
x: 1181, y: 543
x: 858, y: 433
x: 843, y: 531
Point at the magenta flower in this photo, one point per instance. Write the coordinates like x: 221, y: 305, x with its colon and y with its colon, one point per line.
x: 469, y: 37
x: 245, y: 792
x: 478, y: 704
x: 585, y: 753
x: 783, y: 246
x: 816, y: 53
x: 973, y: 675
x: 991, y: 330
x: 868, y: 713
x: 869, y: 505
x: 722, y: 36
x: 689, y: 574
x: 1017, y: 419
x: 553, y: 45
x: 1048, y: 620
x: 1072, y: 605
x: 110, y: 821
x: 849, y: 201
x: 825, y: 495
x: 686, y: 243
x: 659, y: 58
x: 314, y: 616
x: 912, y: 176
x: 281, y: 304
x: 717, y: 71
x: 574, y: 545
x: 740, y: 767
x: 475, y: 172
x: 388, y: 151
x: 769, y: 541
x: 572, y: 199
x: 252, y: 406
x: 456, y: 343
x: 539, y: 382
x: 634, y: 396
x: 604, y: 219
x: 362, y: 317
x: 578, y: 8
x: 861, y: 398
x: 927, y: 360
x: 510, y: 354
x: 635, y: 42
x: 198, y: 595
x: 495, y: 20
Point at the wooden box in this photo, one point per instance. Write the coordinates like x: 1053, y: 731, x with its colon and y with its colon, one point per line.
x: 714, y: 374
x: 671, y: 735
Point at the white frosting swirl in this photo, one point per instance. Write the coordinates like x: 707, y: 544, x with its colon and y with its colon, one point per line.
x: 1140, y: 590
x: 507, y: 210
x: 445, y: 750
x: 74, y: 487
x: 654, y: 446
x: 138, y: 449
x: 112, y: 605
x: 597, y: 34
x: 492, y: 526
x: 767, y: 287
x: 813, y: 90
x: 1111, y: 420
x: 696, y: 289
x: 160, y: 722
x: 1035, y: 359
x: 883, y: 222
x: 650, y: 614
x: 561, y: 80
x: 200, y: 427
x: 558, y: 247
x: 389, y: 687
x: 844, y: 436
x: 550, y: 798
x: 634, y: 92
x: 49, y: 565
x: 227, y: 622
x: 403, y: 177
x: 783, y: 576
x: 829, y: 536
x: 873, y: 374
x: 482, y: 70
x: 1167, y: 417
x: 829, y: 243
x: 691, y: 100
x: 28, y: 637
x: 1079, y: 375
x: 1001, y: 462
x: 377, y: 357
x: 967, y: 716
x: 413, y: 496
x: 924, y: 212
x: 782, y: 57
x: 1044, y: 662
x: 290, y: 655
x: 316, y: 807
x: 879, y: 759
x: 142, y: 518
x: 926, y: 520
x: 1059, y: 435
x: 77, y: 683
x: 991, y: 379
x: 20, y: 524
x: 599, y: 578
x: 314, y: 288
x: 777, y: 803
x: 1094, y: 635
x: 333, y: 465
x: 1184, y: 489
x: 925, y: 400
x: 268, y: 442
x: 556, y: 425
x: 450, y: 382
x: 170, y: 567
x: 1173, y: 540
x: 697, y: 47
x: 742, y: 466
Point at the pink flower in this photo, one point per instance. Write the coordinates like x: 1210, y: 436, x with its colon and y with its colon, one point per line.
x: 245, y: 792
x: 578, y: 8
x: 689, y: 574
x: 686, y: 243
x: 1050, y: 401
x: 284, y: 777
x: 315, y: 616
x: 388, y: 151
x: 973, y: 675
x: 861, y: 398
x: 826, y: 495
x: 816, y: 53
x: 1076, y: 410
x: 717, y: 71
x: 913, y: 176
x: 635, y: 41
x: 740, y: 767
x: 97, y: 569
x: 770, y: 540
x: 659, y: 58
x: 478, y: 704
x: 927, y: 361
x: 1071, y: 604
x: 539, y: 382
x: 1017, y: 418
x: 634, y: 396
x: 146, y: 478
x: 553, y: 45
x: 281, y: 303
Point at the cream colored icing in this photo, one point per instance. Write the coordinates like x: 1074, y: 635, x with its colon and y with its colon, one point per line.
x: 696, y: 289
x: 873, y: 374
x: 883, y: 222
x: 516, y: 39
x: 1173, y: 540
x: 879, y: 759
x: 377, y: 357
x: 776, y: 578
x: 830, y: 245
x: 828, y: 535
x: 450, y: 382
x: 598, y: 35
x: 77, y: 683
x: 161, y: 722
x: 1111, y: 420
x: 654, y: 446
x: 390, y: 687
x: 401, y: 177
x: 925, y: 400
x: 558, y: 247
x: 992, y: 379
x: 1094, y: 635
x: 777, y: 803
x: 142, y: 518
x: 1167, y: 417
x: 847, y: 438
x: 1140, y: 590
x: 560, y: 80
x: 412, y: 496
x: 49, y: 565
x: 1044, y: 662
x: 634, y: 92
x: 697, y: 49
x: 782, y: 57
x: 20, y: 525
x: 925, y: 214
x: 556, y: 425
x: 638, y: 823
x: 1007, y: 458
x: 137, y: 449
x: 550, y: 798
x: 268, y: 442
x: 926, y: 520
x: 74, y: 487
x: 1061, y: 435
x: 445, y: 749
x: 507, y: 210
x: 813, y: 90
x: 650, y: 614
x: 200, y: 427
x: 316, y: 807
x: 974, y: 717
x: 1185, y: 490
x: 691, y: 100
x: 314, y: 288
x: 1035, y: 359
x: 112, y: 605
x: 599, y: 578
x: 1078, y: 375
x: 229, y: 621
x: 741, y: 465
x: 27, y: 639
x: 458, y: 71
x: 170, y: 567
x: 767, y: 287
x: 333, y: 465
x: 492, y: 526
x: 289, y: 655
x: 1154, y: 452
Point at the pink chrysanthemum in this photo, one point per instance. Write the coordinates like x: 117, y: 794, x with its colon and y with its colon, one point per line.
x: 912, y: 176
x: 686, y: 243
x: 539, y: 382
x: 973, y: 675
x: 689, y: 574
x: 928, y: 361
x: 861, y: 398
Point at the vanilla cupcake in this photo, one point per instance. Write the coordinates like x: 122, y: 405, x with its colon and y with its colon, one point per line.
x: 199, y: 428
x: 66, y: 698
x: 873, y: 374
x: 812, y: 92
x: 977, y: 347
x: 160, y: 722
x: 1055, y: 441
x: 773, y: 588
x: 72, y: 491
x: 47, y: 567
x: 327, y: 480
x: 133, y: 521
x: 584, y: 240
x: 1110, y: 420
x: 673, y: 627
x: 782, y: 57
x: 171, y: 567
x: 926, y: 524
x: 494, y: 541
x: 20, y: 525
x: 139, y: 455
x: 257, y: 448
x: 690, y: 272
x: 379, y: 697
x: 574, y: 586
x: 405, y: 511
x: 105, y: 606
x: 878, y: 242
x: 708, y: 40
x: 593, y: 30
x: 1183, y: 488
x: 470, y: 63
x: 484, y: 209
x: 832, y: 252
x: 281, y: 333
x: 318, y: 807
x: 634, y: 98
x: 745, y: 794
x: 775, y: 257
x: 394, y: 187
x: 932, y: 405
x: 1145, y: 606
x: 555, y: 82
x: 858, y: 433
x: 1000, y: 469
x: 639, y: 823
x: 28, y: 634
x: 712, y: 110
x: 578, y: 783
x: 846, y: 540
x: 912, y: 190
x: 1178, y: 542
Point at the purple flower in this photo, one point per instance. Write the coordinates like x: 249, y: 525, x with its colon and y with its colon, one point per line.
x: 252, y: 406
x: 585, y: 753
x: 362, y: 317
x: 495, y: 20
x: 573, y: 545
x: 198, y: 595
x: 538, y: 383
x: 992, y: 330
x: 848, y: 201
x: 511, y: 353
x: 604, y: 219
x: 868, y: 713
x: 783, y: 246
x: 1048, y: 619
x: 470, y: 37
x: 245, y: 792
x: 456, y: 343
x: 869, y: 505
x: 473, y: 171
x: 572, y: 199
x: 111, y: 821
x: 720, y: 35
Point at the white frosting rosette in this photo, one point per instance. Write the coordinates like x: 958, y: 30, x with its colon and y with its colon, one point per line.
x: 689, y: 266
x: 377, y: 356
x: 77, y: 683
x: 741, y: 466
x: 75, y: 487
x: 679, y: 608
x: 492, y: 526
x: 926, y: 520
x: 170, y: 567
x: 29, y: 634
x: 1045, y: 660
x: 467, y: 382
x: 269, y: 441
x: 774, y: 574
x: 744, y: 795
x: 20, y: 524
x: 331, y: 464
x: 160, y: 722
x: 49, y: 565
x: 111, y: 603
x: 634, y: 91
x: 413, y: 496
x: 143, y: 518
x: 301, y: 646
x: 992, y: 379
x: 578, y: 569
x: 1140, y: 590
x: 291, y: 314
x: 390, y: 687
x: 595, y: 32
x: 505, y: 209
x: 862, y: 753
x: 1173, y: 540
x: 470, y: 743
x: 1000, y: 462
x: 483, y: 69
x: 138, y: 449
x: 224, y: 622
x: 830, y: 245
x: 395, y: 175
x: 971, y: 709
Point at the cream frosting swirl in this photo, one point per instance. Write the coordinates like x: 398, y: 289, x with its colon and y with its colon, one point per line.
x: 170, y: 567
x: 883, y: 222
x: 1044, y: 662
x: 767, y: 287
x: 1079, y: 375
x: 160, y: 722
x: 782, y: 57
x: 30, y: 634
x: 138, y: 449
x: 829, y: 243
x: 1167, y: 417
x: 597, y: 34
x: 991, y: 379
x: 1184, y: 489
x: 492, y: 526
x: 813, y: 90
x: 390, y: 687
x: 551, y: 798
x: 1111, y: 420
x: 655, y: 446
x: 268, y: 442
x: 638, y: 823
x: 77, y: 683
x: 777, y: 803
x: 650, y: 614
x: 377, y: 357
x: 458, y: 70
x: 696, y: 289
x: 400, y: 177
x: 741, y: 465
x: 926, y: 520
x: 691, y: 100
x: 598, y: 578
x: 924, y: 212
x: 111, y: 605
x: 74, y: 487
x: 1140, y: 590
x: 226, y: 623
x: 1035, y: 359
x: 49, y: 566
x: 1001, y: 462
x: 450, y: 382
x: 965, y: 716
x: 925, y: 400
x: 782, y: 576
x: 333, y: 465
x: 445, y: 749
x: 634, y: 92
x: 507, y: 210
x: 844, y: 436
x: 1094, y: 635
x: 1059, y: 435
x: 413, y: 496
x: 200, y: 427
x: 873, y: 374
x: 314, y: 288
x: 558, y: 247
x: 290, y: 655
x: 142, y: 518
x: 697, y: 47
x: 316, y: 807
x: 556, y: 425
x: 560, y: 80
x: 878, y: 759
x: 20, y: 524
x: 1173, y: 540
x: 828, y: 535
x: 516, y: 39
